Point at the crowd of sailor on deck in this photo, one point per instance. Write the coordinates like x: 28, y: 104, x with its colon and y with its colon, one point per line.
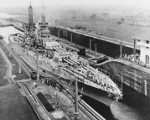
x: 135, y: 59
x: 95, y: 76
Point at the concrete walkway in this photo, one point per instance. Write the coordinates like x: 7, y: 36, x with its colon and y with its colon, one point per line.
x: 9, y: 65
x: 54, y: 96
x: 12, y: 104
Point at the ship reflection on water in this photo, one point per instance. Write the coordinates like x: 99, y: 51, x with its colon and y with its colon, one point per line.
x: 137, y: 104
x: 133, y: 106
x: 101, y: 108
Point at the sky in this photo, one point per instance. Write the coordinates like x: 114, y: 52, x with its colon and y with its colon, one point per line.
x: 125, y: 3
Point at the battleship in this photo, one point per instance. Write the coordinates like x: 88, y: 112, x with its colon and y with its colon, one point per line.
x: 66, y: 64
x: 43, y: 46
x: 54, y: 58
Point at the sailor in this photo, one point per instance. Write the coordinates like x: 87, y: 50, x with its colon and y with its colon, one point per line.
x: 60, y: 88
x: 57, y: 105
x: 35, y: 84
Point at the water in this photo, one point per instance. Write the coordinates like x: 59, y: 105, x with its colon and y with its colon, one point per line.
x: 101, y: 108
x: 124, y: 32
x: 6, y: 31
x: 5, y: 15
x: 133, y: 106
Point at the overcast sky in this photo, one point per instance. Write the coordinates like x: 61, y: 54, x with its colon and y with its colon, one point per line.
x: 130, y: 3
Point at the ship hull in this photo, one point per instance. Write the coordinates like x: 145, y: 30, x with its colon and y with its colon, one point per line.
x: 45, y: 68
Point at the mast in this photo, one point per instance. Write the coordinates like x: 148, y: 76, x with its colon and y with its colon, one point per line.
x: 76, y: 99
x: 30, y: 18
x: 134, y: 48
x: 37, y: 64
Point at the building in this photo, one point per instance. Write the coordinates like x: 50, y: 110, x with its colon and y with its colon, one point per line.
x: 144, y: 50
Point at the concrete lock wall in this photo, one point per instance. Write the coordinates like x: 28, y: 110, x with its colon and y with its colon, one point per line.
x: 107, y: 48
x: 131, y: 77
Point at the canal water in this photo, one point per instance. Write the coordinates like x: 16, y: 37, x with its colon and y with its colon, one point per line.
x: 6, y: 31
x: 101, y: 108
x: 133, y: 106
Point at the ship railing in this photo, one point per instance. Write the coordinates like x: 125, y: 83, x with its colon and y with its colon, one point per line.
x: 74, y: 62
x: 68, y: 61
x: 115, y: 86
x: 103, y: 85
x: 108, y: 84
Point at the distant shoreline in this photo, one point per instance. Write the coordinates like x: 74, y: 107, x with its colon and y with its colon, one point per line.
x: 124, y: 32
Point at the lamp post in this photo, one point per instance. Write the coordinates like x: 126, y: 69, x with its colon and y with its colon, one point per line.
x: 37, y: 56
x: 71, y: 37
x: 95, y: 48
x: 121, y: 49
x: 90, y: 44
x: 122, y: 78
x: 58, y: 33
x: 134, y: 50
x: 76, y: 99
x: 37, y: 64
